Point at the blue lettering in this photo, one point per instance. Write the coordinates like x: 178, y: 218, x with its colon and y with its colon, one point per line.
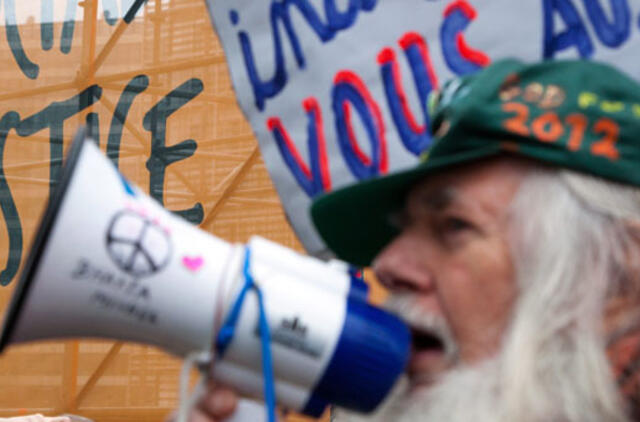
x: 612, y: 34
x: 279, y: 16
x: 460, y: 58
x: 347, y: 91
x: 575, y: 35
x: 414, y: 137
x: 314, y: 181
x: 341, y: 20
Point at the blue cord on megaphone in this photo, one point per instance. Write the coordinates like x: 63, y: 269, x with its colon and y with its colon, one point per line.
x: 227, y: 331
x: 334, y: 346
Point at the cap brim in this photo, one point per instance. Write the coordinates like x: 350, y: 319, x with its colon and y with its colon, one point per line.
x: 355, y: 222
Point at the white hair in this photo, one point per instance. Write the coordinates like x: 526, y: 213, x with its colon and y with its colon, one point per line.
x: 572, y: 238
x: 571, y: 245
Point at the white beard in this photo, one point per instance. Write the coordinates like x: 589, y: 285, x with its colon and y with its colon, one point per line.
x: 566, y: 379
x: 463, y: 395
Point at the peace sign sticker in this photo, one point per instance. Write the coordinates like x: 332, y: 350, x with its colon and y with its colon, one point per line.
x: 137, y: 244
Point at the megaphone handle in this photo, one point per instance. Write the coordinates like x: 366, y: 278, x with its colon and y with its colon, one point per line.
x: 188, y: 400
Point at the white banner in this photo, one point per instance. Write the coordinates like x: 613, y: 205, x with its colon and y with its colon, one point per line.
x: 336, y: 90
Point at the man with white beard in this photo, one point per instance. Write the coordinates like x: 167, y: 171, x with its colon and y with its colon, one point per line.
x: 514, y: 256
x: 512, y: 249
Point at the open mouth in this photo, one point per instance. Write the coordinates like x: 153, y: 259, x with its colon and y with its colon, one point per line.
x: 428, y: 357
x: 425, y: 341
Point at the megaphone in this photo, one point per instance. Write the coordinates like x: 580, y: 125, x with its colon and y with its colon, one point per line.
x: 110, y: 262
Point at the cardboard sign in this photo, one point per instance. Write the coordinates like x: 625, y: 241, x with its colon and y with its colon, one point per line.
x: 336, y: 92
x: 148, y: 79
x: 153, y: 94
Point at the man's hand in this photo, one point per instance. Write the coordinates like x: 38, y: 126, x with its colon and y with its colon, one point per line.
x: 217, y: 404
x: 37, y: 418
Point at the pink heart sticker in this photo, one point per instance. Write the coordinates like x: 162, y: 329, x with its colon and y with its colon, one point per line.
x: 194, y: 263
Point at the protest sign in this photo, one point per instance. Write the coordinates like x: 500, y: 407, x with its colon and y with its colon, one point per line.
x: 336, y: 91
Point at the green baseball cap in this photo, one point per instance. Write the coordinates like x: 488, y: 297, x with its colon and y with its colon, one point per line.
x: 577, y: 114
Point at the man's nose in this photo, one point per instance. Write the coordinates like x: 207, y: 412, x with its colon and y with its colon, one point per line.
x: 403, y: 265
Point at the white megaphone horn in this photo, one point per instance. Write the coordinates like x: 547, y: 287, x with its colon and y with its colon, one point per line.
x: 110, y: 262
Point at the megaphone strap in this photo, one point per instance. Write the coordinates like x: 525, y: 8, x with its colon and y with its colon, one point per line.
x: 227, y: 331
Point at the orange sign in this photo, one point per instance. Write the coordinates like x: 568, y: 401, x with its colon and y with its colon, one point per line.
x: 150, y: 81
